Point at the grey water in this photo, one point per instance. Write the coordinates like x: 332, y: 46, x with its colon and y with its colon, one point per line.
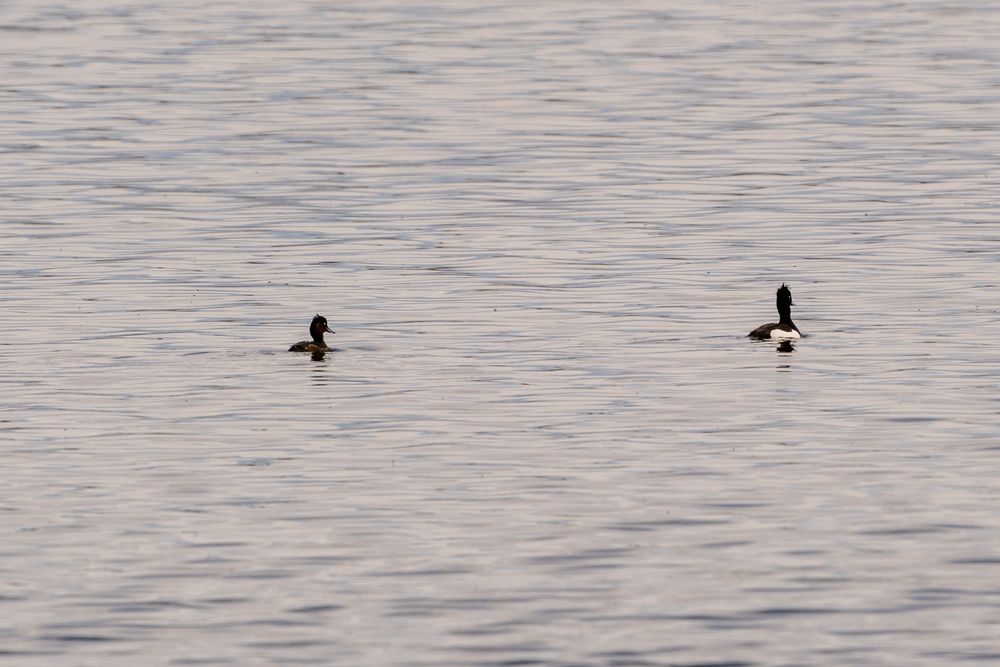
x: 541, y: 232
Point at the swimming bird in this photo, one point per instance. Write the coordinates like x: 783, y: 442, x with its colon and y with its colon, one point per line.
x: 316, y: 329
x: 785, y: 328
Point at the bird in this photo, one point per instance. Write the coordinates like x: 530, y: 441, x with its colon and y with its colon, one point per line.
x: 785, y: 328
x: 316, y: 329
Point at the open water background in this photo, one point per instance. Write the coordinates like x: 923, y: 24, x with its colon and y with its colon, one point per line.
x: 541, y: 232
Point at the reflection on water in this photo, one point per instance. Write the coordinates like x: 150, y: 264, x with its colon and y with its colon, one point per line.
x: 543, y: 230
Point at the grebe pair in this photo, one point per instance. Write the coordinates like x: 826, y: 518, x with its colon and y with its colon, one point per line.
x: 784, y: 328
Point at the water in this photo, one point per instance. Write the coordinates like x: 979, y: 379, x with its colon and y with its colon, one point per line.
x: 541, y: 232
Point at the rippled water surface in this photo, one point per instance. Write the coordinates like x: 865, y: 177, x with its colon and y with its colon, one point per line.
x: 541, y: 232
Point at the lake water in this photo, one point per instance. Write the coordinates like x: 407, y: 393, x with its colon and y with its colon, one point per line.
x: 541, y: 232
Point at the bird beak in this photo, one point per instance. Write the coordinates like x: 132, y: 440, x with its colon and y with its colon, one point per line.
x: 329, y: 330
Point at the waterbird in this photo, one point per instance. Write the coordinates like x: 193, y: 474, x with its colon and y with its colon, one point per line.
x: 784, y: 328
x: 316, y: 329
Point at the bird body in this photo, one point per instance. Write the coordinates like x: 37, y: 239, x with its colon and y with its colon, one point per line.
x: 784, y: 327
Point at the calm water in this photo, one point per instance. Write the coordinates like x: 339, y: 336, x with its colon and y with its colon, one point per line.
x: 541, y: 231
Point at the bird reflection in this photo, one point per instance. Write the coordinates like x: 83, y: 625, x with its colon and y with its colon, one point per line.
x: 786, y: 346
x: 320, y: 374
